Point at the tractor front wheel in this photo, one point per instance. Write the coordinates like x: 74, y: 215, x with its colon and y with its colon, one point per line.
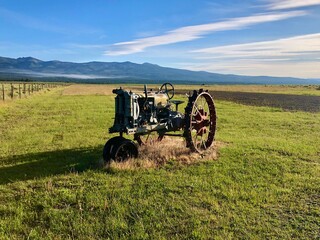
x: 119, y: 149
x: 124, y: 150
x: 109, y: 146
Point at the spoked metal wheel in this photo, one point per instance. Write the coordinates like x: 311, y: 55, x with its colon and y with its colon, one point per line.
x: 148, y: 139
x: 200, y: 121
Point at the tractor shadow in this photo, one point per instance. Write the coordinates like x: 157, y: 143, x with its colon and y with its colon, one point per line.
x: 44, y: 164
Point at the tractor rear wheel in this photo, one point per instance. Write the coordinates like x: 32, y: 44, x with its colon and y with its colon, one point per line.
x: 200, y: 121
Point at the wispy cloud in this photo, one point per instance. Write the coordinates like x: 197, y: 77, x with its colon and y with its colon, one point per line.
x: 305, y: 46
x: 253, y: 68
x: 189, y: 33
x: 286, y: 4
x: 294, y: 56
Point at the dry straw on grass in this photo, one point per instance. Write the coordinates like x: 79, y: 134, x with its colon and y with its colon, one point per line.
x: 160, y: 153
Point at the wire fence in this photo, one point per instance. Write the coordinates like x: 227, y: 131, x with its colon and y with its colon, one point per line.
x: 10, y: 91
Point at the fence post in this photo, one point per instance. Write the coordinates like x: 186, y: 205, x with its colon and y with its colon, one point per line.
x: 11, y: 93
x: 24, y: 89
x: 19, y: 90
x: 29, y: 88
x: 3, y: 92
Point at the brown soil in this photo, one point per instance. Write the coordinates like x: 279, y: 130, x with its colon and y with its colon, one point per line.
x: 284, y: 101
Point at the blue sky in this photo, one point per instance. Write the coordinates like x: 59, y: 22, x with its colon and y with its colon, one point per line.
x: 262, y: 37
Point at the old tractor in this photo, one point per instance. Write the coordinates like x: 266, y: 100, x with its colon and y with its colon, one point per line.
x: 151, y: 115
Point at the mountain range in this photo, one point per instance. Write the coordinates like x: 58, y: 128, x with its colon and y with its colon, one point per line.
x: 124, y: 72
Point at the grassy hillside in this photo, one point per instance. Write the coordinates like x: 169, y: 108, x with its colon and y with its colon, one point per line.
x: 265, y: 183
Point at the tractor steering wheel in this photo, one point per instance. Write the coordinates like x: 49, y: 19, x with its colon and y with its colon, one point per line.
x: 146, y: 104
x: 168, y: 89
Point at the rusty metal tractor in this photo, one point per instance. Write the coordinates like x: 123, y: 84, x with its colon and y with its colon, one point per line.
x: 151, y: 115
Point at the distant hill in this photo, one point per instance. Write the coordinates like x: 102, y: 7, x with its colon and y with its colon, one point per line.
x: 107, y: 72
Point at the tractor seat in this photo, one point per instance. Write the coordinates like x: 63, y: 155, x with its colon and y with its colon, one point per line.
x: 176, y: 102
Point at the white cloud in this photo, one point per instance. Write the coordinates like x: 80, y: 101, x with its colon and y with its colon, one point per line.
x: 253, y: 68
x: 293, y: 47
x: 286, y: 4
x: 295, y: 56
x: 189, y: 33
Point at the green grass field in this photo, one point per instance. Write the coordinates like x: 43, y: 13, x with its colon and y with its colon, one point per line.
x: 265, y: 183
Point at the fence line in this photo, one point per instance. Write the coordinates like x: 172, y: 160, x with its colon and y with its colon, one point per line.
x: 19, y: 90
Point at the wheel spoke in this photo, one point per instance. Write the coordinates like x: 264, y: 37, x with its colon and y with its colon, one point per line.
x: 196, y: 107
